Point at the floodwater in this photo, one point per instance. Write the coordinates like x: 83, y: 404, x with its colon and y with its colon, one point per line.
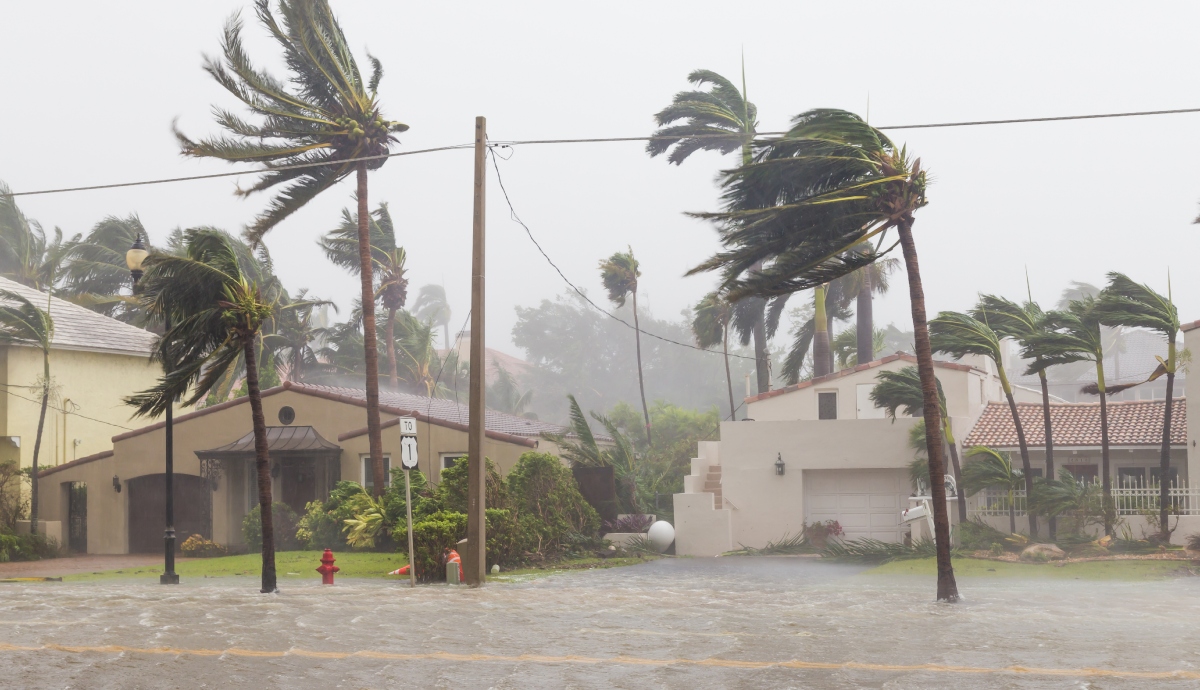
x: 605, y: 628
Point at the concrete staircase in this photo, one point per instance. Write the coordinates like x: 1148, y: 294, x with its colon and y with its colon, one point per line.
x: 712, y: 485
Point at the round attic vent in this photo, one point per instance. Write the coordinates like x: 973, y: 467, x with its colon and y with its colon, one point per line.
x: 286, y: 415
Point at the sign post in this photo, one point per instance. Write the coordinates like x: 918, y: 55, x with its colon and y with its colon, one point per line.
x: 408, y: 460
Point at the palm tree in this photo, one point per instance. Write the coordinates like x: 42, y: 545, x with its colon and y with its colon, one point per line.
x: 990, y: 469
x: 216, y: 311
x: 95, y: 274
x: 22, y: 323
x: 960, y: 335
x: 846, y: 350
x: 584, y: 451
x: 901, y: 390
x: 295, y: 333
x: 837, y: 308
x: 325, y: 116
x: 864, y: 284
x: 25, y: 254
x: 1124, y: 303
x: 505, y: 394
x: 391, y: 284
x: 834, y: 184
x: 431, y: 306
x: 620, y: 273
x: 1022, y: 323
x: 717, y: 119
x: 710, y: 326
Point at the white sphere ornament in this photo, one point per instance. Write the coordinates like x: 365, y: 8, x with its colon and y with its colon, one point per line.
x: 660, y: 535
x: 496, y: 569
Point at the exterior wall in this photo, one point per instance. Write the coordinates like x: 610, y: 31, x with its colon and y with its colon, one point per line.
x: 1191, y: 386
x: 1118, y: 457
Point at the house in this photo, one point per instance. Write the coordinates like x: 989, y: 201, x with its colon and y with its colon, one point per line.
x: 316, y: 436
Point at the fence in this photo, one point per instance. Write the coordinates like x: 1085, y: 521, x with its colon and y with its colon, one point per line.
x: 1129, y: 500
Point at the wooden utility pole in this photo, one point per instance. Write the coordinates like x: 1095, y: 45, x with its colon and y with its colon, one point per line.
x: 475, y: 562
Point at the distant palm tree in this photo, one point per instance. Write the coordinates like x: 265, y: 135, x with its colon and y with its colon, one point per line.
x: 864, y: 284
x: 835, y: 187
x: 990, y: 469
x: 25, y: 254
x: 1124, y: 303
x: 295, y: 334
x: 837, y: 308
x: 901, y: 390
x: 431, y: 306
x: 717, y: 119
x: 324, y: 115
x: 620, y: 273
x: 391, y: 282
x: 505, y: 395
x: 960, y: 335
x: 710, y: 326
x: 846, y: 350
x: 95, y: 274
x: 21, y: 323
x: 216, y: 311
x: 584, y: 451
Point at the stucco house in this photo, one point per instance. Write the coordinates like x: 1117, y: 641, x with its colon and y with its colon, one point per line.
x: 317, y: 436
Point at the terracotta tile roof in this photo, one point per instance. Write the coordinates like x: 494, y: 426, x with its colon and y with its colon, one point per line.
x: 1130, y: 423
x: 77, y: 328
x: 899, y: 356
x: 1189, y: 326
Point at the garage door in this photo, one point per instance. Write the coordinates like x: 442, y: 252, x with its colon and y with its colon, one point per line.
x: 147, y: 510
x: 867, y: 503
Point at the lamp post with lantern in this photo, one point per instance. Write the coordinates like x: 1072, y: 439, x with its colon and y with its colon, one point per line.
x: 133, y: 259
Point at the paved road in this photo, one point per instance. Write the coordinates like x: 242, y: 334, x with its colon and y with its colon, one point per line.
x: 676, y: 623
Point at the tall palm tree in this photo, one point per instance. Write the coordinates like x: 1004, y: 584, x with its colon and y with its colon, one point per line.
x: 718, y: 118
x: 506, y: 395
x: 901, y: 390
x: 990, y: 469
x: 24, y: 324
x: 837, y: 308
x: 620, y: 273
x: 1022, y: 323
x: 710, y: 326
x: 864, y: 284
x: 95, y: 274
x: 324, y: 115
x: 431, y: 306
x: 834, y: 184
x: 216, y: 311
x: 960, y: 335
x: 26, y: 256
x: 1124, y: 303
x: 846, y: 350
x: 391, y: 283
x: 295, y: 333
x: 1071, y: 336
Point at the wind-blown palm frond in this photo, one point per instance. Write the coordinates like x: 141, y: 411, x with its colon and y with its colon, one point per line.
x: 900, y: 391
x: 719, y: 119
x: 619, y: 273
x: 987, y: 468
x: 582, y: 450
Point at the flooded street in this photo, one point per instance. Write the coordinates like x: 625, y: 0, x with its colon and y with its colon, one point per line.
x: 639, y: 627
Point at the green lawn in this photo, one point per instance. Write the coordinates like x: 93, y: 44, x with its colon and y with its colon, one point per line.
x: 1090, y: 570
x: 288, y: 565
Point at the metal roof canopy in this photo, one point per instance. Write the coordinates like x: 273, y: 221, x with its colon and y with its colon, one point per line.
x: 293, y: 441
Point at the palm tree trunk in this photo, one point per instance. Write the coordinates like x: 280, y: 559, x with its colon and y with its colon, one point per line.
x: 390, y: 333
x: 947, y: 588
x: 262, y: 466
x: 1012, y: 512
x: 370, y: 347
x: 1165, y: 459
x: 637, y: 333
x: 762, y: 364
x: 1105, y: 481
x: 865, y: 319
x: 728, y: 376
x: 1023, y: 445
x: 829, y: 334
x: 958, y: 482
x: 37, y: 446
x: 1053, y: 522
x: 821, y: 364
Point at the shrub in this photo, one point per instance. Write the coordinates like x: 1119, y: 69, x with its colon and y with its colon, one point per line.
x: 542, y: 487
x: 27, y: 547
x: 1193, y: 542
x: 319, y: 528
x: 284, y: 520
x: 451, y: 492
x: 196, y: 546
x: 636, y: 524
x: 430, y: 536
x: 14, y: 503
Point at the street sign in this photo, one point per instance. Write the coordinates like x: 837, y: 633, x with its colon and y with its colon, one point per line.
x: 408, y: 426
x: 408, y: 452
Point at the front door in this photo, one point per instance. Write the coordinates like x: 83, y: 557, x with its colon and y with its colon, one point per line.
x: 77, y: 517
x: 299, y: 483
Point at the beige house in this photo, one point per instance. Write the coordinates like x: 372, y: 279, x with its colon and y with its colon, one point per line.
x: 316, y: 434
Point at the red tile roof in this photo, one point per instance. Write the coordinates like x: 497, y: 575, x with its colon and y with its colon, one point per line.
x: 899, y: 356
x: 1130, y: 423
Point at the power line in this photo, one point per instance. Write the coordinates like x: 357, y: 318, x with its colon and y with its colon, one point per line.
x: 513, y: 215
x: 60, y: 409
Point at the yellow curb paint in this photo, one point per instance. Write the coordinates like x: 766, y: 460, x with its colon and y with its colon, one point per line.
x: 621, y: 660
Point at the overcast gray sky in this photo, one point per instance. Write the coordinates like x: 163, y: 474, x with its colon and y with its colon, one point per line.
x: 91, y: 90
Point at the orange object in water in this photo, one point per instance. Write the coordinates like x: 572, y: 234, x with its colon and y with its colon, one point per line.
x: 453, y: 557
x: 401, y: 571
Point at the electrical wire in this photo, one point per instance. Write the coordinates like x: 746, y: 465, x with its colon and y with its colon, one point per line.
x: 512, y: 213
x: 59, y: 409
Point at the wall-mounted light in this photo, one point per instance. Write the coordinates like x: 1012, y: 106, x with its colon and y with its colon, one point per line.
x: 116, y: 483
x: 779, y: 467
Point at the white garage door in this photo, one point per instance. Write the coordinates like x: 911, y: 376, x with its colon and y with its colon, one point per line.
x: 867, y: 503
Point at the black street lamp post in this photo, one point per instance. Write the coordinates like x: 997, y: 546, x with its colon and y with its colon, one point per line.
x: 133, y: 259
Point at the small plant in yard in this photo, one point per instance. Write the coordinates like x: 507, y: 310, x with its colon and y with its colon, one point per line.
x: 997, y: 549
x: 635, y: 524
x: 196, y: 546
x: 1193, y: 542
x: 819, y: 533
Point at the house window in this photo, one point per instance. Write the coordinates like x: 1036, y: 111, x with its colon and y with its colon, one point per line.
x: 448, y: 459
x: 1083, y: 473
x: 368, y: 480
x: 1172, y: 475
x: 1035, y: 472
x: 1131, y: 476
x: 827, y: 405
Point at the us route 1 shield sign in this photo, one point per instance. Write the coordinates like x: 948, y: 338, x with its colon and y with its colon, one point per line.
x: 408, y: 426
x: 408, y: 452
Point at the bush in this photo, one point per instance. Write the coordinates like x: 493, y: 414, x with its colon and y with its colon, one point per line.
x: 451, y: 492
x: 431, y: 535
x: 284, y: 520
x: 196, y: 546
x: 319, y: 528
x: 629, y: 524
x: 540, y: 486
x: 26, y: 547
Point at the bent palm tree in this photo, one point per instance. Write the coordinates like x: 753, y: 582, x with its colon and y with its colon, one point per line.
x: 837, y: 308
x: 835, y: 187
x: 846, y: 350
x: 1126, y: 303
x: 710, y: 326
x: 25, y: 254
x: 901, y: 390
x: 620, y: 273
x: 960, y: 335
x: 216, y: 312
x: 431, y: 306
x: 506, y: 395
x: 23, y: 323
x: 990, y: 469
x: 95, y: 274
x: 324, y: 115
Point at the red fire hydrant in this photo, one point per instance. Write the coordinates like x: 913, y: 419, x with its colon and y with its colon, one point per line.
x: 327, y: 568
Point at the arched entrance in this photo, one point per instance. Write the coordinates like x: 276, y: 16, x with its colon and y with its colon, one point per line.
x: 147, y: 510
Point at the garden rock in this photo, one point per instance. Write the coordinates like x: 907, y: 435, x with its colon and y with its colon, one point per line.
x: 1043, y: 552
